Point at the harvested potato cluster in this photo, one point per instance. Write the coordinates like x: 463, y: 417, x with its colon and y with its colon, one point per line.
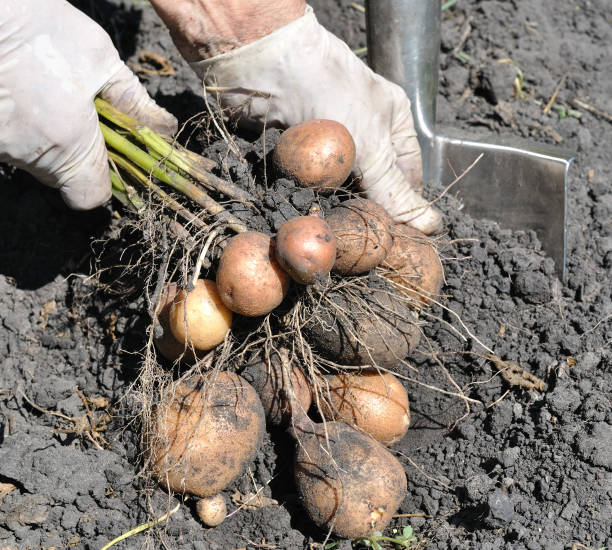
x: 344, y: 285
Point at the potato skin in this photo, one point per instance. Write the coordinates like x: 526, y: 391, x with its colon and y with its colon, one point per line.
x: 199, y: 318
x: 167, y: 344
x: 375, y: 402
x: 352, y: 485
x: 211, y: 510
x: 317, y: 153
x: 363, y: 235
x: 383, y: 333
x: 270, y: 385
x: 249, y: 279
x: 206, y: 431
x: 306, y: 249
x: 414, y: 264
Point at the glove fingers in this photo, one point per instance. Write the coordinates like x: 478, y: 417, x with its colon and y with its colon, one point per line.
x: 83, y: 178
x: 404, y: 139
x: 125, y: 92
x: 403, y: 203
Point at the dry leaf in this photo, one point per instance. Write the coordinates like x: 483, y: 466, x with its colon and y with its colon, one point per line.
x: 252, y: 501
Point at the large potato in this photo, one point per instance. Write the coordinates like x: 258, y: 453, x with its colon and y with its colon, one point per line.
x: 363, y: 235
x: 375, y: 402
x: 317, y: 153
x: 346, y: 481
x: 249, y: 279
x: 365, y: 327
x: 414, y: 264
x: 204, y: 433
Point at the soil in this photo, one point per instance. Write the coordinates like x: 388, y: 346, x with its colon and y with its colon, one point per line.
x: 530, y: 466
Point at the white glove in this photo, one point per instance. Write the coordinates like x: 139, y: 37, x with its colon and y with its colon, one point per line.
x: 53, y: 61
x: 300, y: 72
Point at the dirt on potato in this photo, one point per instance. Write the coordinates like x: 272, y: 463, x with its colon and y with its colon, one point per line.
x: 528, y: 468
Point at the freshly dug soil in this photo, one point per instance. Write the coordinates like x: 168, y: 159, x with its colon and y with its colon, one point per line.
x: 526, y: 468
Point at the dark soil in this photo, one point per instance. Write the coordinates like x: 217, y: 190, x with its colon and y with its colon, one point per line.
x: 526, y: 468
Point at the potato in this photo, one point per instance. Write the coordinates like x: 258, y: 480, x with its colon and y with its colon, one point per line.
x: 381, y: 331
x: 346, y: 481
x: 249, y: 279
x: 374, y: 402
x: 316, y: 153
x: 279, y: 391
x: 306, y: 249
x: 199, y: 318
x: 211, y: 510
x: 363, y: 235
x: 204, y: 433
x: 167, y: 344
x: 414, y: 265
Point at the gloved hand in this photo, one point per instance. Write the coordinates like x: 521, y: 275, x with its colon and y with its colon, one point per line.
x: 53, y: 61
x: 301, y: 71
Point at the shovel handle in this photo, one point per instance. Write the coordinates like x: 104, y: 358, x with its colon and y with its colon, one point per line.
x: 404, y: 47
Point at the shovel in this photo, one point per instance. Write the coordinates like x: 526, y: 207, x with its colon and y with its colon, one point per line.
x: 519, y: 184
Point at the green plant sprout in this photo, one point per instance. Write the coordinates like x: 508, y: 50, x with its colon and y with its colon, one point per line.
x: 400, y: 539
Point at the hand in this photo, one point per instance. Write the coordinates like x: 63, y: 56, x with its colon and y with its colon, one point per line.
x: 54, y: 60
x: 284, y: 73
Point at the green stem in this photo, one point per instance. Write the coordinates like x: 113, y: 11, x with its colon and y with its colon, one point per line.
x: 142, y: 179
x: 178, y: 182
x: 168, y: 154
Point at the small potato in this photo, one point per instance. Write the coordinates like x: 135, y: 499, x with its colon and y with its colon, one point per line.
x: 249, y: 279
x: 347, y: 481
x: 414, y: 264
x: 204, y: 433
x: 279, y: 390
x: 377, y: 403
x: 211, y: 510
x: 366, y: 327
x: 317, y: 153
x: 306, y: 249
x: 199, y: 318
x: 363, y: 235
x: 167, y: 344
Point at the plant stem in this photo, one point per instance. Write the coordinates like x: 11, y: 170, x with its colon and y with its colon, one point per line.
x: 141, y: 178
x: 168, y: 154
x: 178, y: 182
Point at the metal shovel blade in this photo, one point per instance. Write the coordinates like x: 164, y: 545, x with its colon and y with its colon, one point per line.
x: 519, y: 184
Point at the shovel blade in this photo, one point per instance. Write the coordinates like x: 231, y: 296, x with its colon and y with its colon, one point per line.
x: 521, y: 185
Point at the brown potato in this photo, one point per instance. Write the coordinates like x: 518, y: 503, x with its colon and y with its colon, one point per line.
x: 167, y: 344
x: 380, y: 331
x: 249, y: 279
x: 279, y: 391
x: 199, y: 318
x: 414, y: 264
x: 346, y: 481
x: 363, y: 235
x: 377, y: 403
x: 211, y: 510
x: 306, y: 249
x: 317, y: 153
x: 204, y: 433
